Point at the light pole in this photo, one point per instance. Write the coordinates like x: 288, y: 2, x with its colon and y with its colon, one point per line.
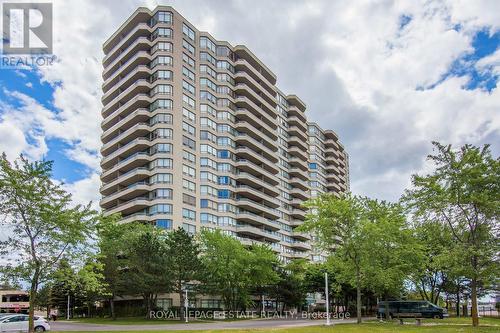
x: 328, y: 323
x: 186, y: 303
x: 67, y: 309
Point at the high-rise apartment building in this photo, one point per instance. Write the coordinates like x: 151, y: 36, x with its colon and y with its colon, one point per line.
x: 197, y: 135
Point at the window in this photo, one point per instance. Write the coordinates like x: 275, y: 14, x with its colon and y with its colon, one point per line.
x: 161, y: 17
x: 189, y: 214
x: 187, y: 156
x: 188, y: 60
x: 207, y: 149
x: 188, y: 185
x: 161, y: 32
x: 161, y: 163
x: 226, y: 221
x: 161, y: 104
x: 162, y: 46
x: 187, y: 31
x: 188, y: 87
x: 188, y: 101
x: 161, y: 75
x: 163, y: 193
x: 207, y: 162
x: 161, y: 89
x: 188, y: 47
x: 161, y: 60
x: 208, y: 83
x: 187, y: 73
x: 188, y: 128
x: 188, y: 199
x: 160, y: 209
x: 208, y: 218
x: 206, y: 43
x: 161, y: 148
x: 208, y: 123
x: 209, y: 204
x: 224, y: 141
x: 186, y: 114
x: 206, y: 135
x: 164, y: 133
x: 225, y: 65
x: 222, y: 153
x: 188, y: 142
x: 204, y: 56
x: 165, y: 178
x: 208, y: 176
x: 224, y: 194
x: 164, y: 118
x: 188, y: 171
x: 313, y: 165
x: 207, y: 96
x: 164, y: 224
x: 205, y: 108
x: 208, y: 190
x: 208, y: 70
x: 225, y: 78
x: 189, y: 228
x: 225, y: 180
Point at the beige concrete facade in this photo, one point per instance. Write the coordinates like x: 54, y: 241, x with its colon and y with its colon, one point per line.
x: 197, y: 135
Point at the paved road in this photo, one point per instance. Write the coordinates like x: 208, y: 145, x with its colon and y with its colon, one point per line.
x: 243, y: 324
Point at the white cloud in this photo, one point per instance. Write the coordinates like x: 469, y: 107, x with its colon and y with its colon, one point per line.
x: 350, y: 61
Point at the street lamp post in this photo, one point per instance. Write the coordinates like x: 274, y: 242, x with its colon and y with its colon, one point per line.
x: 186, y: 303
x: 328, y: 323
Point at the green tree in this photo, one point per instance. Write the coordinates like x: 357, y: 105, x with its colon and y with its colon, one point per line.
x: 43, y: 222
x: 185, y: 263
x: 112, y: 244
x: 232, y: 271
x: 463, y: 193
x: 338, y: 223
x: 147, y: 267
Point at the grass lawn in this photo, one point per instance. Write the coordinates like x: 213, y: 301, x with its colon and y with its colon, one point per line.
x: 461, y: 325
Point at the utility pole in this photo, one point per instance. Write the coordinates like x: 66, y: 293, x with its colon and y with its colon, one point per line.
x: 67, y: 309
x: 186, y: 303
x: 328, y: 323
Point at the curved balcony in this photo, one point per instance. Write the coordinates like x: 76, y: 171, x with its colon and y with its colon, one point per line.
x: 297, y: 131
x: 125, y: 179
x: 256, y: 194
x: 246, y: 103
x: 299, y: 163
x: 300, y: 255
x: 247, y: 178
x: 140, y: 101
x: 250, y: 154
x: 298, y: 153
x: 244, y: 77
x: 244, y: 66
x: 299, y: 142
x: 257, y: 170
x: 134, y: 146
x: 246, y: 116
x: 139, y: 58
x: 298, y: 193
x: 294, y: 111
x: 301, y: 246
x: 130, y: 207
x: 298, y: 214
x: 298, y: 173
x: 256, y: 132
x: 144, y: 217
x: 136, y: 160
x: 111, y: 130
x: 257, y: 233
x: 126, y: 194
x: 136, y: 131
x: 301, y: 235
x: 119, y: 41
x: 242, y: 89
x: 141, y: 44
x: 299, y: 183
x: 333, y: 187
x: 255, y: 219
x: 256, y: 207
x: 293, y: 120
x: 113, y: 86
x: 258, y: 146
x: 296, y: 101
x: 139, y: 87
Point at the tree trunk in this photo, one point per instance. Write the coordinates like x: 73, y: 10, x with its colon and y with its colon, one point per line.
x: 33, y: 291
x: 473, y: 297
x: 458, y: 302
x: 112, y: 307
x: 358, y: 297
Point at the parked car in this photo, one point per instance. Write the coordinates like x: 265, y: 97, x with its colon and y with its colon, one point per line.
x: 19, y: 323
x: 401, y: 308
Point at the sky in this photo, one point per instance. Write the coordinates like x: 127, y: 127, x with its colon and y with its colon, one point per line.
x: 388, y: 76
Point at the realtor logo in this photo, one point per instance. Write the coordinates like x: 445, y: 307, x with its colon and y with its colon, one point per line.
x: 27, y: 28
